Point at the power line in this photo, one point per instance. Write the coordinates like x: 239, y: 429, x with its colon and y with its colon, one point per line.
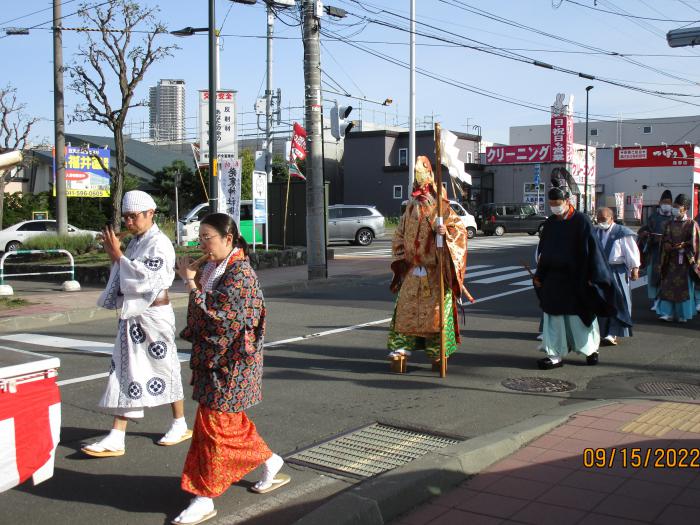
x: 38, y: 26
x: 34, y: 13
x: 627, y: 15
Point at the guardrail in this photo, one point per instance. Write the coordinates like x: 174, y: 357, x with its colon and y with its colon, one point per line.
x: 26, y: 252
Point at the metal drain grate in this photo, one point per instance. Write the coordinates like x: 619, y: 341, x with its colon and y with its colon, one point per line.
x: 537, y: 384
x: 370, y: 450
x: 670, y: 389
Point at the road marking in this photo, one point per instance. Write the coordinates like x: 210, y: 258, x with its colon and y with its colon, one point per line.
x: 25, y: 352
x: 500, y: 278
x: 82, y: 379
x: 493, y: 270
x: 94, y: 347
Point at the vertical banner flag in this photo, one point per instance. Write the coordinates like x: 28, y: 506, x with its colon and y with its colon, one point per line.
x: 297, y: 151
x: 230, y: 188
x: 620, y: 205
x: 449, y: 152
x: 637, y: 205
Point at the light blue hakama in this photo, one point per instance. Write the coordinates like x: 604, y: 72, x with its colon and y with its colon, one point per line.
x: 566, y: 333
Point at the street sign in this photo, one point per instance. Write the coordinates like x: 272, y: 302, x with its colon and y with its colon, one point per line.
x: 226, y: 132
x: 260, y: 197
x: 538, y: 173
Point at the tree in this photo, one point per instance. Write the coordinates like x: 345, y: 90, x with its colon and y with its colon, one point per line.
x: 191, y: 191
x: 280, y: 169
x: 248, y: 165
x: 15, y: 127
x: 115, y: 53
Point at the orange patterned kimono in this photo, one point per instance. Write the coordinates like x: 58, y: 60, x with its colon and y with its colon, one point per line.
x: 416, y: 270
x: 225, y: 447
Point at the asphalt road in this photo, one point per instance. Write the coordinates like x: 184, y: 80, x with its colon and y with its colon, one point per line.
x: 330, y: 383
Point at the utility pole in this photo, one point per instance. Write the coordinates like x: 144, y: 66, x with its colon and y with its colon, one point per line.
x: 213, y: 94
x: 268, y: 94
x: 58, y: 118
x: 412, y: 102
x: 315, y: 241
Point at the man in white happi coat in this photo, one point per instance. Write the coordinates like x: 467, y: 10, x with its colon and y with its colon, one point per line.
x: 621, y: 251
x: 145, y: 370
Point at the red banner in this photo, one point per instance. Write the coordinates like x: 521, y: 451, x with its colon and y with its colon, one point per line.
x: 654, y: 156
x: 298, y: 151
x: 562, y: 129
x: 532, y: 153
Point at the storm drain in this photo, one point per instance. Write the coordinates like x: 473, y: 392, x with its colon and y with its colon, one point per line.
x: 538, y: 384
x: 370, y: 451
x: 670, y: 389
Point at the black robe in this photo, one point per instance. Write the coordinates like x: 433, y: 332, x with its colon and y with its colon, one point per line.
x: 576, y: 278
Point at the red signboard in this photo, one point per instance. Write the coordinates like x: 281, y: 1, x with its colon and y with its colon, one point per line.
x: 562, y: 128
x: 528, y: 154
x: 653, y: 156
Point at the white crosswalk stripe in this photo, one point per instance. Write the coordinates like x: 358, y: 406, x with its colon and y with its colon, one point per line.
x: 94, y: 347
x: 478, y: 244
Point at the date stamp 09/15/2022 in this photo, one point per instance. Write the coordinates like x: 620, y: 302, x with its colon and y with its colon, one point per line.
x: 602, y: 458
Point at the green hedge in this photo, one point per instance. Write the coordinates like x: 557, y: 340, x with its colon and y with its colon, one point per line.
x: 75, y: 244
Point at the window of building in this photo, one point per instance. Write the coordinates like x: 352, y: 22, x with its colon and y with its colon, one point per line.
x: 594, y: 132
x: 403, y: 156
x: 470, y: 157
x: 646, y: 130
x: 398, y: 192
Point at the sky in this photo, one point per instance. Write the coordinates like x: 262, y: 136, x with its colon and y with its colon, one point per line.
x: 581, y: 39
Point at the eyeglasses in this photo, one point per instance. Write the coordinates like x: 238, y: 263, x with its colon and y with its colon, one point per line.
x: 132, y: 216
x: 207, y: 238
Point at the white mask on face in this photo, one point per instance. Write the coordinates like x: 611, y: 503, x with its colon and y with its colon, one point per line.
x: 560, y: 210
x: 666, y: 208
x: 675, y: 212
x: 605, y: 225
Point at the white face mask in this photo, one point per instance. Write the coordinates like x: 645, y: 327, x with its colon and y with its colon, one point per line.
x: 676, y: 212
x: 605, y: 225
x: 559, y: 210
x: 666, y: 208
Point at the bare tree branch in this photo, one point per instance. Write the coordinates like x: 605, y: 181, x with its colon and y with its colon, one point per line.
x: 118, y: 58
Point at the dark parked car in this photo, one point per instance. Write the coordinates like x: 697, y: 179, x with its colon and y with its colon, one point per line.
x: 512, y: 217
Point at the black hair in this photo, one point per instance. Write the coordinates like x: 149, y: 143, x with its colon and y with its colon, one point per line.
x: 682, y: 200
x: 666, y: 195
x: 224, y: 224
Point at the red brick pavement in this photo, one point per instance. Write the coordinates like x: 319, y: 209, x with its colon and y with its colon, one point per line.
x: 546, y: 482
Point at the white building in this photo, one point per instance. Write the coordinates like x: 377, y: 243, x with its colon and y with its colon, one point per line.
x: 612, y: 133
x: 167, y: 111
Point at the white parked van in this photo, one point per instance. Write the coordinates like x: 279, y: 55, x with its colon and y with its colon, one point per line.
x: 189, y: 224
x: 467, y: 218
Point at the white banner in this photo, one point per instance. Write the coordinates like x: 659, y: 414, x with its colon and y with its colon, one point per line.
x: 226, y: 130
x: 230, y: 187
x: 259, y: 197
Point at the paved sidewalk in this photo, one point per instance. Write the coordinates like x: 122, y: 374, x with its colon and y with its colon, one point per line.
x: 49, y: 304
x: 642, y: 467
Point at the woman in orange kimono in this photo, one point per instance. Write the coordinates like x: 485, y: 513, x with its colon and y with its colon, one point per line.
x: 416, y: 271
x: 226, y: 325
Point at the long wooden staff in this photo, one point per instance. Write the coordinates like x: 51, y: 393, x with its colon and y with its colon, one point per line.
x: 440, y: 253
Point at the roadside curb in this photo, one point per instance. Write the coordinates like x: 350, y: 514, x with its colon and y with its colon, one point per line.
x: 382, y: 499
x: 95, y: 313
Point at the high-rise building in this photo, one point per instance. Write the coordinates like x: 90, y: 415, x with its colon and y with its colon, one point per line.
x: 167, y: 111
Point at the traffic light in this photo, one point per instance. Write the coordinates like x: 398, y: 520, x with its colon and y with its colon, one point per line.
x: 340, y: 125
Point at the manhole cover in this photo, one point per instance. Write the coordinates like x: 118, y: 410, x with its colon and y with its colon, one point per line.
x: 670, y: 389
x: 370, y: 450
x: 537, y: 384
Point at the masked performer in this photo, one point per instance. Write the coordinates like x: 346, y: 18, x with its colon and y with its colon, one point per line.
x: 573, y: 282
x: 680, y: 245
x: 650, y: 244
x: 416, y: 280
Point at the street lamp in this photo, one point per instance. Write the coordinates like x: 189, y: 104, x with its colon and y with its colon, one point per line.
x: 585, y: 176
x: 213, y: 89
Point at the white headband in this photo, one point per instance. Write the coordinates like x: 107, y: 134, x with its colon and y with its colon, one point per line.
x: 136, y: 201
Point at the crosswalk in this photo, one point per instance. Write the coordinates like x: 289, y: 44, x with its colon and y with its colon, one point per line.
x: 489, y: 274
x: 476, y: 244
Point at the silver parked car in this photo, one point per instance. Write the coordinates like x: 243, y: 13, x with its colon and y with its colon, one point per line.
x: 355, y: 223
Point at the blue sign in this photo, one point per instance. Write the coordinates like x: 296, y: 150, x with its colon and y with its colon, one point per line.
x: 259, y: 215
x: 538, y: 172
